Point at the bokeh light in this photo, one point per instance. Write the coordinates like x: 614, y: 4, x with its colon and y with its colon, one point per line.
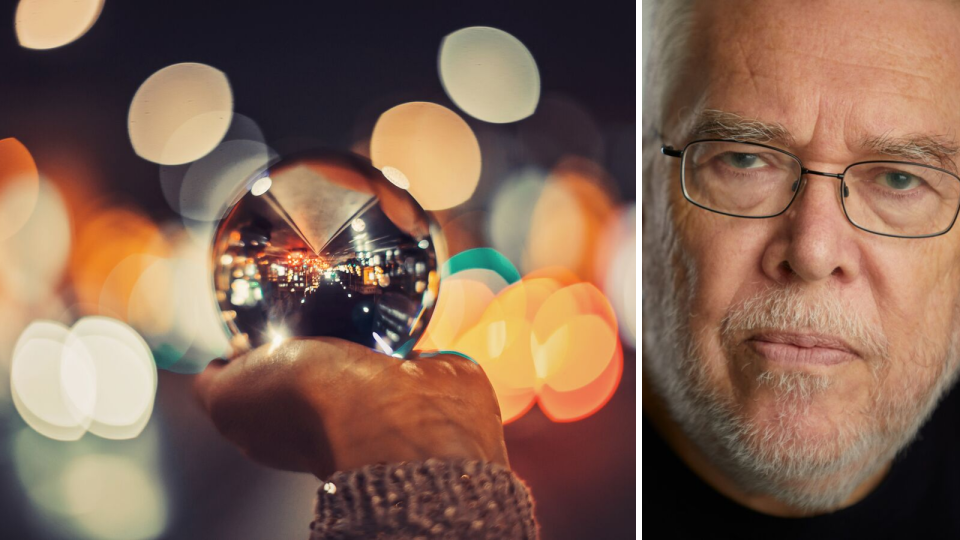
x: 103, y: 243
x: 215, y: 182
x: 151, y: 308
x: 396, y: 177
x: 433, y: 148
x: 19, y: 186
x: 502, y: 348
x: 98, y: 376
x: 92, y: 488
x: 459, y: 306
x: 568, y: 219
x: 107, y: 274
x: 187, y: 187
x: 35, y: 383
x: 547, y: 338
x: 616, y: 262
x: 126, y: 376
x: 585, y: 400
x: 114, y: 497
x: 180, y: 113
x: 508, y: 227
x: 185, y: 331
x: 481, y: 259
x: 261, y: 186
x: 35, y: 256
x: 48, y: 24
x: 489, y: 74
x: 117, y: 290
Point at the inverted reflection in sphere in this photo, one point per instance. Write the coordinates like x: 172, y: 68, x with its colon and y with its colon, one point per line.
x: 321, y: 244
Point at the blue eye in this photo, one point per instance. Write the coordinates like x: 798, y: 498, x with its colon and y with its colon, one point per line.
x: 742, y: 161
x: 899, y: 180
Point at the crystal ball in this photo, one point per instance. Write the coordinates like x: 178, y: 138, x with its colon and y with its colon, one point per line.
x: 322, y: 244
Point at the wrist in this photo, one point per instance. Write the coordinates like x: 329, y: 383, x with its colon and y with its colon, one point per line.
x: 454, y: 497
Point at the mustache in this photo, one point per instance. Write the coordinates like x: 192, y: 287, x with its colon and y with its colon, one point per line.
x: 791, y: 309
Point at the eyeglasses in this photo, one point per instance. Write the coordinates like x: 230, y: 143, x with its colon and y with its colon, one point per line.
x: 751, y: 180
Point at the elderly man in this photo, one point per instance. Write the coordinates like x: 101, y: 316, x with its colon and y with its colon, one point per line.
x: 802, y: 268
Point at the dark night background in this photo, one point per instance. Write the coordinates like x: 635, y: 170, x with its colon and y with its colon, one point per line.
x: 318, y: 71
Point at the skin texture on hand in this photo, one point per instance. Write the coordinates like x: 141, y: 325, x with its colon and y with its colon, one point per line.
x: 322, y: 405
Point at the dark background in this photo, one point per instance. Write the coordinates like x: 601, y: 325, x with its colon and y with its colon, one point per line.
x: 321, y: 71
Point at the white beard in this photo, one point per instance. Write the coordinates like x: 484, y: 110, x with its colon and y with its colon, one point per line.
x: 811, y: 474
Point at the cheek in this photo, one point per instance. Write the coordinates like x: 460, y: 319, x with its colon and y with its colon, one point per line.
x: 723, y: 267
x: 725, y: 255
x: 916, y: 292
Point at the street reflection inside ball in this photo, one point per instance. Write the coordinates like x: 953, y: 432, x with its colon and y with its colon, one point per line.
x: 321, y: 244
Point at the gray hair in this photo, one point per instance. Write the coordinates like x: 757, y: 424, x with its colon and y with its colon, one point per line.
x: 664, y: 62
x: 798, y: 472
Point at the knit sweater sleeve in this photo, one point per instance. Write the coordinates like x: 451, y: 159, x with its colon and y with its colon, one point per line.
x: 436, y: 498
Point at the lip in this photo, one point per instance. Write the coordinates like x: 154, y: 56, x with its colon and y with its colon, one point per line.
x: 802, y: 348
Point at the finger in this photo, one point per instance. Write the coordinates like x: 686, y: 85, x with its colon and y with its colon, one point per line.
x: 205, y: 380
x: 432, y: 354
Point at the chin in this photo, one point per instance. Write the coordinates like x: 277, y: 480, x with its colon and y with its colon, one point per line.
x: 800, y: 440
x: 804, y: 453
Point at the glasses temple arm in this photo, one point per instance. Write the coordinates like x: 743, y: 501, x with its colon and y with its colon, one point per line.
x: 670, y: 151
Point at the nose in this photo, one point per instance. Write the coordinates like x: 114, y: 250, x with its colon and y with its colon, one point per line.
x: 814, y: 241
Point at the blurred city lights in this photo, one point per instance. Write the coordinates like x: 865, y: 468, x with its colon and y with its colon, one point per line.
x: 436, y: 150
x: 261, y: 186
x: 502, y: 348
x: 35, y: 383
x: 114, y: 497
x: 215, y: 182
x: 126, y: 376
x: 459, y: 306
x: 586, y: 400
x: 116, y: 293
x: 396, y: 177
x: 568, y: 220
x: 91, y: 488
x: 100, y: 288
x: 489, y: 74
x: 619, y: 257
x: 103, y: 243
x: 151, y: 309
x: 173, y: 178
x: 197, y: 334
x: 47, y: 24
x: 30, y: 274
x: 541, y: 339
x: 481, y: 258
x: 19, y: 186
x: 98, y: 376
x: 508, y: 227
x: 180, y: 113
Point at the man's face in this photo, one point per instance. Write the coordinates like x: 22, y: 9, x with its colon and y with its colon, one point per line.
x: 822, y: 343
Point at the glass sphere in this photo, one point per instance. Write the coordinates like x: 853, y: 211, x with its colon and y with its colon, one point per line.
x: 322, y: 244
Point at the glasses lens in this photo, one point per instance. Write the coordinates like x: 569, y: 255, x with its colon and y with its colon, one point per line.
x: 901, y: 199
x: 740, y: 179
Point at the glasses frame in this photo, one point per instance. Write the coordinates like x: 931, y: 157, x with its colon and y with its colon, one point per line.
x: 670, y: 151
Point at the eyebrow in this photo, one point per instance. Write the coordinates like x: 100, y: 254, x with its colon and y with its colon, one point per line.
x: 929, y: 149
x: 924, y: 148
x: 711, y: 123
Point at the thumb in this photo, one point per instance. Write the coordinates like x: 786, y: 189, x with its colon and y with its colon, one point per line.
x: 205, y: 380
